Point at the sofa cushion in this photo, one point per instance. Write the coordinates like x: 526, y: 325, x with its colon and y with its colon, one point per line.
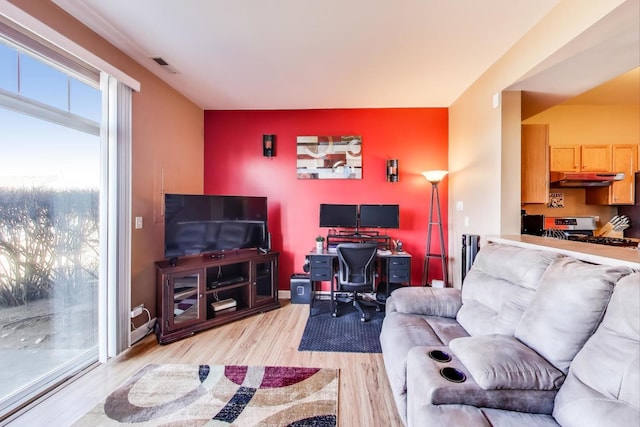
x: 503, y: 362
x: 567, y: 308
x: 604, y: 379
x: 499, y: 286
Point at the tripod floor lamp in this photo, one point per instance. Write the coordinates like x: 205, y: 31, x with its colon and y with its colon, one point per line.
x: 434, y: 177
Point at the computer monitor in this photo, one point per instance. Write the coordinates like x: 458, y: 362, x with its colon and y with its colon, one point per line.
x: 332, y: 215
x: 379, y: 216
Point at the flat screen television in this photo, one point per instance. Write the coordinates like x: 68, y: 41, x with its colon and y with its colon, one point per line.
x: 198, y: 224
x: 379, y: 216
x: 344, y: 216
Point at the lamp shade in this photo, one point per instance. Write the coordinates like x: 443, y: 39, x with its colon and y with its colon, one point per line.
x: 434, y: 177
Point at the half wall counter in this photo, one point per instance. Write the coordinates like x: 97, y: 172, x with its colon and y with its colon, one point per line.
x: 590, y: 252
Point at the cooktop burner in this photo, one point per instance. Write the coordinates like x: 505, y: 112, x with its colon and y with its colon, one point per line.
x: 600, y: 240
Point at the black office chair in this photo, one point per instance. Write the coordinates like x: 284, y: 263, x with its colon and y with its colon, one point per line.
x: 356, y: 274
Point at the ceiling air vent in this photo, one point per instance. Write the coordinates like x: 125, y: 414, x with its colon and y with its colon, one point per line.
x: 164, y: 64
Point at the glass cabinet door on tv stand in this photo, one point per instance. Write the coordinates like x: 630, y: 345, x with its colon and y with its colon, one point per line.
x: 202, y: 292
x: 265, y: 274
x: 184, y: 290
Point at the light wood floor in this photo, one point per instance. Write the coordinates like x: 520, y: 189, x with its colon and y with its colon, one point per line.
x: 270, y: 339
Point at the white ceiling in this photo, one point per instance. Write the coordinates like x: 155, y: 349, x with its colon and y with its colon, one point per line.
x: 302, y: 54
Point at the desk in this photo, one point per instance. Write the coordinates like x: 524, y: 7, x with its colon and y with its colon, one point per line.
x: 393, y: 267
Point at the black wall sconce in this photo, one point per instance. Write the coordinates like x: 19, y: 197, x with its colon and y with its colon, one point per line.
x: 268, y: 145
x: 392, y: 170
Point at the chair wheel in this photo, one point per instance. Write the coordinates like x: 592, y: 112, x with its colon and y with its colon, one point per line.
x: 363, y: 319
x: 334, y: 314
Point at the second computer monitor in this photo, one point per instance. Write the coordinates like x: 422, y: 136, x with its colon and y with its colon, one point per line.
x: 379, y: 216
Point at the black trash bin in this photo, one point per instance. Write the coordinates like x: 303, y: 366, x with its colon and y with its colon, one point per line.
x: 301, y: 289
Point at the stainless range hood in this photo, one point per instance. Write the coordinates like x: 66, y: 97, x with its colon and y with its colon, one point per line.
x: 583, y: 179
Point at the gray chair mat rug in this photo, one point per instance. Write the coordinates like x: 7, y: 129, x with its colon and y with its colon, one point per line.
x: 345, y: 333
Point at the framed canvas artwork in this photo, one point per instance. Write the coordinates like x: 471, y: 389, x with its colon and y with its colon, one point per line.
x: 329, y: 157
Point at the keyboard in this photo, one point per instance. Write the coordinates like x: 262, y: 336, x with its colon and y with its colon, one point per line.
x: 383, y: 252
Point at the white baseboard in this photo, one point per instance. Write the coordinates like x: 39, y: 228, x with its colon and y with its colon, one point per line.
x: 284, y: 294
x: 142, y: 331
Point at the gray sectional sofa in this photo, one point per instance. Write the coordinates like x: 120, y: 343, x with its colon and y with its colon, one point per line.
x: 534, y: 338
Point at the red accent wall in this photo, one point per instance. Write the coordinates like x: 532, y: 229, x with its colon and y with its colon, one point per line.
x: 417, y: 137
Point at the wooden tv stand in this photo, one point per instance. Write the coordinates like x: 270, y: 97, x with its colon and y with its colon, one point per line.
x: 200, y: 292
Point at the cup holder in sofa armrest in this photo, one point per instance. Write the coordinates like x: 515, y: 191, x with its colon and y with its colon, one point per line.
x: 453, y: 374
x: 440, y: 356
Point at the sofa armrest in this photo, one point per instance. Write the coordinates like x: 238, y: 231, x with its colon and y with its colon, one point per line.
x: 427, y: 385
x: 443, y: 302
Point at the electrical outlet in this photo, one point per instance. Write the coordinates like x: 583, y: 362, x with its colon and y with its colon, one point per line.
x: 137, y: 311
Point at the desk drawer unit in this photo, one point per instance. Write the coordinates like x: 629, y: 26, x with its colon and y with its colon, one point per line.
x: 399, y: 269
x: 320, y: 268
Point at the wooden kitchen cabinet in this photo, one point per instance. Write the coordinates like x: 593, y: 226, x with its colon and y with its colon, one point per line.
x: 595, y: 158
x: 534, y: 164
x: 580, y: 158
x: 565, y: 158
x: 624, y: 158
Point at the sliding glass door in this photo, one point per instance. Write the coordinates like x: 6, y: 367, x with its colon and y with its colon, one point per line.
x: 50, y: 178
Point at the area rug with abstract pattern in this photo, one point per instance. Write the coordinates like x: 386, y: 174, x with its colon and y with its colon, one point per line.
x: 217, y: 395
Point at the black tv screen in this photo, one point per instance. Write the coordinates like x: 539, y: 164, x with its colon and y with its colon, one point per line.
x: 196, y: 224
x: 380, y: 216
x: 345, y: 216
